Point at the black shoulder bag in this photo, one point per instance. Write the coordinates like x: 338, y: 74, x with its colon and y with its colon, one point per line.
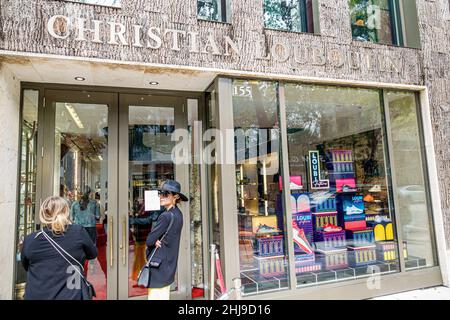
x: 87, y: 289
x: 144, y: 274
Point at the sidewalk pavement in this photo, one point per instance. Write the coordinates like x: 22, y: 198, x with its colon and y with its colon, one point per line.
x: 435, y: 293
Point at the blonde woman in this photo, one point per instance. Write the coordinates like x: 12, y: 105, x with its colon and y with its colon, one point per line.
x: 50, y: 276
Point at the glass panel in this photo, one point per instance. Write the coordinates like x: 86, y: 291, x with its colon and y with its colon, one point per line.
x: 412, y: 207
x: 27, y: 183
x: 213, y: 10
x: 372, y: 20
x: 288, y: 15
x: 150, y: 163
x: 81, y: 176
x: 195, y: 208
x: 340, y: 191
x: 263, y: 258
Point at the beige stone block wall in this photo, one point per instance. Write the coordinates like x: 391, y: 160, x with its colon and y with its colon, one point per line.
x: 9, y: 145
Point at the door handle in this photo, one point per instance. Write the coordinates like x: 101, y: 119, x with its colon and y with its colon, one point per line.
x: 111, y: 241
x: 124, y: 241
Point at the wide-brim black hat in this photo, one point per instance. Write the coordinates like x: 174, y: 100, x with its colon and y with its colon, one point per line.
x: 174, y: 187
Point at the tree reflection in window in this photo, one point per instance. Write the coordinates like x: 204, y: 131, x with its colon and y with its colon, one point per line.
x: 375, y: 21
x: 288, y: 15
x: 212, y: 10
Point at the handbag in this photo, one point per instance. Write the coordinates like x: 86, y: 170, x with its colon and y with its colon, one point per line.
x: 144, y: 275
x: 87, y: 289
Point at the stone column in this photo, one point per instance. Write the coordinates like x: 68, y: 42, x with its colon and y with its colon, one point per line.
x: 9, y: 147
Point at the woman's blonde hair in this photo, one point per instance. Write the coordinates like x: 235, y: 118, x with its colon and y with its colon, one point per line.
x: 54, y: 214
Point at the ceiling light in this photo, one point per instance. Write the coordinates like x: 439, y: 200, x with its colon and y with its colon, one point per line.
x: 74, y: 116
x: 153, y: 83
x: 80, y: 78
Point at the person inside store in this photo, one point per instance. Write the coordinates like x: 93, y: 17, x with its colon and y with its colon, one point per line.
x: 86, y: 213
x: 47, y: 268
x: 163, y: 241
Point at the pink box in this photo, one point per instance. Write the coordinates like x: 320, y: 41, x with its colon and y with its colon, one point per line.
x: 351, y: 182
x: 295, y: 181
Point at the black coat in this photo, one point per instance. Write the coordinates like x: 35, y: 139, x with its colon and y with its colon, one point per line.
x: 47, y: 271
x: 168, y: 253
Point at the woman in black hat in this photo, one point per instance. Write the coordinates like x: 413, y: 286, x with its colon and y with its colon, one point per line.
x: 169, y: 225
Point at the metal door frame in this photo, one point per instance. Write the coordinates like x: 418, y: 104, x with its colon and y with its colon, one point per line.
x: 51, y: 97
x: 182, y: 175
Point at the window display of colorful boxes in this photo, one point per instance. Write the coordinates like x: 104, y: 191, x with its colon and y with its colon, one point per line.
x: 333, y: 258
x: 323, y: 202
x: 330, y: 239
x: 361, y: 256
x: 383, y: 229
x: 271, y: 266
x: 386, y: 251
x: 306, y: 263
x: 360, y: 237
x: 350, y: 209
x: 269, y: 246
x: 341, y: 169
x: 320, y: 219
x: 304, y: 221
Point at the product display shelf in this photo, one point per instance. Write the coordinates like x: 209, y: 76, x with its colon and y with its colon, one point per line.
x: 349, y: 273
x: 254, y: 283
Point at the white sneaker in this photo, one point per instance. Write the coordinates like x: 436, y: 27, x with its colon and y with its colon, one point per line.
x: 375, y: 188
x: 353, y: 210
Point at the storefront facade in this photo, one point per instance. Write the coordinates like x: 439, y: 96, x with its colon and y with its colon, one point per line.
x: 309, y: 135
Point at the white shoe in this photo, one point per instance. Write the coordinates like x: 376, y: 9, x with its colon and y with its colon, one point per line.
x: 375, y: 188
x: 353, y: 210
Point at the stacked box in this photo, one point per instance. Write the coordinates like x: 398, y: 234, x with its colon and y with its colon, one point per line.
x: 327, y: 240
x: 341, y: 169
x: 361, y: 237
x: 323, y: 218
x: 350, y: 209
x: 386, y: 251
x: 271, y: 266
x: 384, y: 231
x: 304, y: 221
x: 309, y: 268
x: 361, y: 256
x: 306, y: 263
x: 269, y: 246
x: 305, y: 259
x: 323, y: 202
x: 333, y: 258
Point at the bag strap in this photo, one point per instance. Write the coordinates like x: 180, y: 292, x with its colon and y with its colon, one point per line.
x: 58, y: 249
x: 162, y: 238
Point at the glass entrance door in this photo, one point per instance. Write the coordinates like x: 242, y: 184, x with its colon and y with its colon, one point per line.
x: 79, y: 157
x: 101, y: 152
x: 146, y: 157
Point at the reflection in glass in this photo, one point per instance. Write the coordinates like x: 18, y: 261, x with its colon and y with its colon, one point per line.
x: 407, y: 158
x: 81, y: 174
x: 263, y: 256
x: 375, y: 20
x: 150, y: 163
x: 340, y: 193
x: 289, y: 15
x: 213, y: 10
x: 27, y: 183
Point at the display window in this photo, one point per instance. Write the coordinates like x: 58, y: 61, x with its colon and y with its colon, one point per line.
x: 354, y: 208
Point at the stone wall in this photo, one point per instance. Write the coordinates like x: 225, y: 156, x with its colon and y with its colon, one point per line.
x: 332, y: 54
x: 9, y: 144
